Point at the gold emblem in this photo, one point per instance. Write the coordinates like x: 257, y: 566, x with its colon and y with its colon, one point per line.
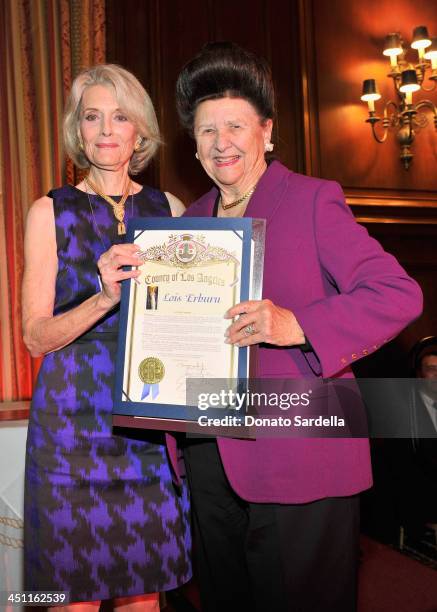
x: 186, y: 249
x: 151, y: 370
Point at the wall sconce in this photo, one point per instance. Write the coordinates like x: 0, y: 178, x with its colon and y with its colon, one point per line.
x: 404, y: 116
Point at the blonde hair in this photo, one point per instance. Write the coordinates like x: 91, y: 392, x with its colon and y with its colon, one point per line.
x: 133, y: 100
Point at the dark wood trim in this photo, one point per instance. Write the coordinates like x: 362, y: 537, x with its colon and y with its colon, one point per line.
x: 154, y: 71
x: 427, y: 199
x: 383, y: 219
x: 190, y: 427
x: 298, y: 63
x: 310, y: 111
x: 391, y: 208
x: 14, y: 411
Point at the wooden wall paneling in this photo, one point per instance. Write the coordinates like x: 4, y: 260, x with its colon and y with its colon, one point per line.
x: 408, y: 207
x: 257, y: 25
x: 184, y: 28
x: 347, y: 46
x: 271, y: 29
x: 243, y: 22
x: 343, y: 44
x: 131, y: 41
x: 310, y: 110
x: 173, y: 32
x: 414, y: 245
x: 284, y: 54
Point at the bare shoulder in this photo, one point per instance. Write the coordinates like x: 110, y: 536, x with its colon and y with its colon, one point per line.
x: 40, y: 210
x: 176, y: 206
x: 40, y: 224
x: 40, y: 263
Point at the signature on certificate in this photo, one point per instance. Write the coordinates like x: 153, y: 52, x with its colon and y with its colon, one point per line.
x: 191, y: 370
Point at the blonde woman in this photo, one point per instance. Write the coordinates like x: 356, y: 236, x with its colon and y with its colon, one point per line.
x: 103, y: 519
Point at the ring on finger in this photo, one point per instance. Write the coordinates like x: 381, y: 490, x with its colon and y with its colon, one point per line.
x: 249, y: 330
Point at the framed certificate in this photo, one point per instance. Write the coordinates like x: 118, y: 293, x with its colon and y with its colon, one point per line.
x: 172, y: 325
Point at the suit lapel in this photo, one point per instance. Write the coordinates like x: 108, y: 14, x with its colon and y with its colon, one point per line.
x: 268, y: 193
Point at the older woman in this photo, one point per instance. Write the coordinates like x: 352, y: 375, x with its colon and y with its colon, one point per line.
x: 277, y: 520
x: 103, y: 519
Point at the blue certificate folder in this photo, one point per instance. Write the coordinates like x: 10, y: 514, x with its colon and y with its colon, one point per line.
x: 151, y: 414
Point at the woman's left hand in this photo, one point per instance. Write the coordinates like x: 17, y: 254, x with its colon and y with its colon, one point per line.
x: 262, y: 321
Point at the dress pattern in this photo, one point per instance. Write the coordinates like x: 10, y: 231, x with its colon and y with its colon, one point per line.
x: 103, y: 517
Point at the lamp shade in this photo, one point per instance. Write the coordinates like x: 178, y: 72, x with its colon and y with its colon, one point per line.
x: 431, y: 51
x: 392, y: 44
x: 409, y: 81
x: 431, y: 54
x: 370, y: 90
x: 421, y: 38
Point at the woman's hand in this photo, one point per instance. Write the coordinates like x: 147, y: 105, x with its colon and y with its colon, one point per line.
x: 262, y: 321
x: 110, y: 265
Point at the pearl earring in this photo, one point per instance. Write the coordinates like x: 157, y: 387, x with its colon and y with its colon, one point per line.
x: 268, y: 147
x: 196, y: 155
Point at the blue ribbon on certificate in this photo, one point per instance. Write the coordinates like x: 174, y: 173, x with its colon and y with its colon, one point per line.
x: 154, y: 388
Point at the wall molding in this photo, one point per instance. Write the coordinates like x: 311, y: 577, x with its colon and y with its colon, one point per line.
x: 14, y: 411
x: 375, y: 207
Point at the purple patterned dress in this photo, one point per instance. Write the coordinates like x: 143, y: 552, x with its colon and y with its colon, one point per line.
x: 103, y: 518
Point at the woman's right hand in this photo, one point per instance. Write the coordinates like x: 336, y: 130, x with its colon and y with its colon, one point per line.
x: 110, y: 265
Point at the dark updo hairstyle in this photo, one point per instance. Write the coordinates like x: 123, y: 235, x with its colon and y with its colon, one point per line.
x: 222, y: 70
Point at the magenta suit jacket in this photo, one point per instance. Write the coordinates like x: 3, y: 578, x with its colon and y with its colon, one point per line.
x: 349, y: 296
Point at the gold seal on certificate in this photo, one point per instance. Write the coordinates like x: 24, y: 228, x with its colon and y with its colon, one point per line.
x: 151, y: 370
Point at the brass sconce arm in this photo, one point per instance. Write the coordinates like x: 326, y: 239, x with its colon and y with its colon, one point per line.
x: 431, y: 106
x: 421, y: 71
x: 373, y: 121
x: 388, y: 120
